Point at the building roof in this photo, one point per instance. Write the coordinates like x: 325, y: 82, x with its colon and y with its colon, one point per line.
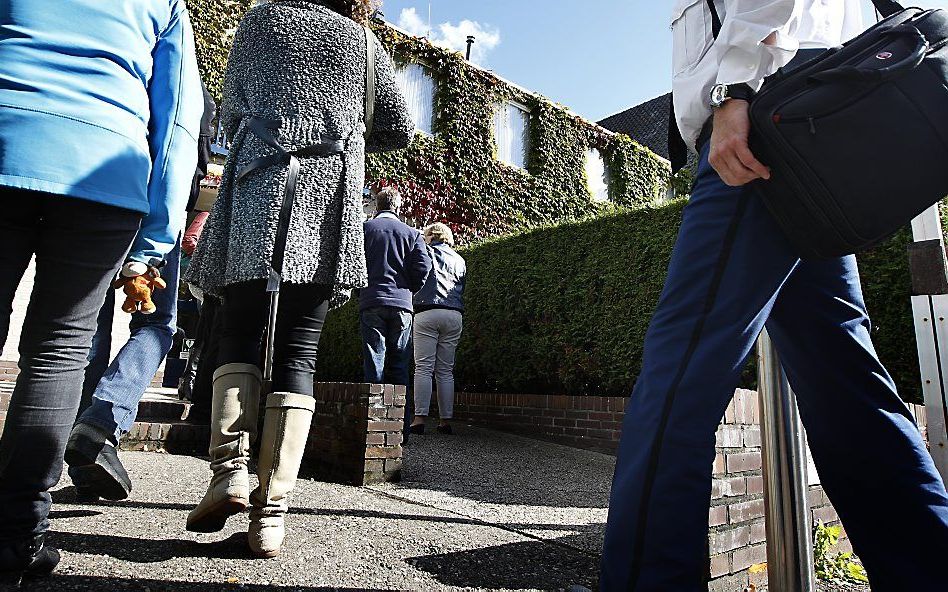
x: 647, y: 124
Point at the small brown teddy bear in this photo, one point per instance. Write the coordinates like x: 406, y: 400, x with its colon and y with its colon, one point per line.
x: 139, y: 281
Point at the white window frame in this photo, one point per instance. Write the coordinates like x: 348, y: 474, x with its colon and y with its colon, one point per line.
x: 598, y: 176
x: 505, y: 144
x: 420, y: 105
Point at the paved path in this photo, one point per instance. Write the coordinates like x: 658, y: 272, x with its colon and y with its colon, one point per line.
x: 479, y: 510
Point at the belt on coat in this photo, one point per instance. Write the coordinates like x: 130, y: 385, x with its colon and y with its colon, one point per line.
x: 327, y: 146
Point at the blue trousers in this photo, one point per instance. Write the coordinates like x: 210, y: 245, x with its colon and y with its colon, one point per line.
x: 111, y: 392
x: 732, y: 272
x: 386, y: 332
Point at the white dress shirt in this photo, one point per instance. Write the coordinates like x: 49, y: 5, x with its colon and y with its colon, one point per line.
x: 740, y: 54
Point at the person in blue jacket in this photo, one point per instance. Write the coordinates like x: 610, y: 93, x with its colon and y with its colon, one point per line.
x: 100, y: 109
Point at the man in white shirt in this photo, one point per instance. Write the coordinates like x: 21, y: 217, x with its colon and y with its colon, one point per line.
x: 732, y: 271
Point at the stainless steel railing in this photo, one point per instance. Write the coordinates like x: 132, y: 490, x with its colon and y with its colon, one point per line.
x: 789, y: 538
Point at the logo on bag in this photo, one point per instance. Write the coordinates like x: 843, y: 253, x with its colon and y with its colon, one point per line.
x: 884, y: 55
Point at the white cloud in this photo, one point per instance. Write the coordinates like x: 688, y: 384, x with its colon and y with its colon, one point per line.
x: 453, y: 36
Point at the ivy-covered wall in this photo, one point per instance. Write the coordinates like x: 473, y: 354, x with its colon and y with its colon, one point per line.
x: 454, y: 177
x: 214, y: 23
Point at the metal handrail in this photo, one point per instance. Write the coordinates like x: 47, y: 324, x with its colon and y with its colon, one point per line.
x: 783, y: 452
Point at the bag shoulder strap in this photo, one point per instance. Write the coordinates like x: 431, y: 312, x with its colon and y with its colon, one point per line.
x: 715, y: 19
x: 887, y: 7
x: 369, y: 81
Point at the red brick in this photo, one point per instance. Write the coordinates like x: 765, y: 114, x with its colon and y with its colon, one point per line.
x: 743, y: 461
x: 717, y: 516
x: 720, y: 565
x: 758, y: 532
x: 728, y: 436
x: 744, y: 511
x: 382, y: 452
x: 374, y: 465
x: 751, y: 437
x: 718, y: 467
x: 394, y: 439
x: 729, y: 539
x: 747, y: 556
x: 825, y: 513
x: 755, y: 485
x: 385, y: 426
x: 375, y: 439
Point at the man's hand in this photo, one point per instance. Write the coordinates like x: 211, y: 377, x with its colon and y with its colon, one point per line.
x: 730, y: 155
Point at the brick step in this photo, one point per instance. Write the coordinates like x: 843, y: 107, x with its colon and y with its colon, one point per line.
x: 175, y: 437
x: 161, y: 405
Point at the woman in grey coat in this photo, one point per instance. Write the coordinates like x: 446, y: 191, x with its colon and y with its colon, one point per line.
x: 295, y: 107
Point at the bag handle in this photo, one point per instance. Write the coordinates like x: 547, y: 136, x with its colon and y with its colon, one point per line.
x: 369, y: 118
x: 877, y: 75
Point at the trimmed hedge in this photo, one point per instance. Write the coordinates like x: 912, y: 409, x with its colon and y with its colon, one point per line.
x: 564, y: 309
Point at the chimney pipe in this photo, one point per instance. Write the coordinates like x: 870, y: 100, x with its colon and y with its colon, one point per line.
x: 470, y: 42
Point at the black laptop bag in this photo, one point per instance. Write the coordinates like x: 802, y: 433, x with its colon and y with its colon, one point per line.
x: 857, y: 138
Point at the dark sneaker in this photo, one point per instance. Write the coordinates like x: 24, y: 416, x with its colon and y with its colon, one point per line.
x: 95, y: 466
x: 417, y: 429
x: 445, y: 429
x: 29, y: 557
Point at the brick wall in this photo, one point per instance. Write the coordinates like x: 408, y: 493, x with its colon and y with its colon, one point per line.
x: 356, y: 434
x: 737, y: 537
x: 585, y: 422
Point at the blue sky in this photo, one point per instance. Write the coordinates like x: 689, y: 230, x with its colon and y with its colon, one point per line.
x: 597, y: 57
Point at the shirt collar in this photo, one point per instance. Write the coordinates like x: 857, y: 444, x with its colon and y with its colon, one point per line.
x: 386, y: 214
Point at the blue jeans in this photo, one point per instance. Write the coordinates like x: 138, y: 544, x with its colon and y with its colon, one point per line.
x: 111, y: 392
x: 386, y: 333
x: 732, y: 272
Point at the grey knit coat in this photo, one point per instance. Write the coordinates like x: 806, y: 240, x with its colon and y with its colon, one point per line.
x: 299, y: 62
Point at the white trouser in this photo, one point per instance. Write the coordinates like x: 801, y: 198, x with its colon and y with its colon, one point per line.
x: 436, y: 336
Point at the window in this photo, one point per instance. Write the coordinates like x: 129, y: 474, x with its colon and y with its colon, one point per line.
x: 597, y: 176
x: 511, y: 129
x: 418, y: 87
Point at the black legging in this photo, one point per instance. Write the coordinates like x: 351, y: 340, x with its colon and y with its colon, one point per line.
x: 300, y: 317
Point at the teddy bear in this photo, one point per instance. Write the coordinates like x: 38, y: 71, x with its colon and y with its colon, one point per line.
x: 139, y: 281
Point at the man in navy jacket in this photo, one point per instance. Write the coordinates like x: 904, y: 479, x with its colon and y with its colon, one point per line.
x: 398, y: 264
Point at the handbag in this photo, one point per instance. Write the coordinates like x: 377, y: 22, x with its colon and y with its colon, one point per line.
x: 857, y: 138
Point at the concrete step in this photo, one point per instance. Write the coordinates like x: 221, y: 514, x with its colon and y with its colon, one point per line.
x: 162, y: 404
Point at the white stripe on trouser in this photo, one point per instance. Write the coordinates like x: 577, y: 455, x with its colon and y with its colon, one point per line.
x: 436, y: 336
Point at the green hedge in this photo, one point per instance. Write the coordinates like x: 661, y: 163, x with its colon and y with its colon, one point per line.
x: 564, y: 309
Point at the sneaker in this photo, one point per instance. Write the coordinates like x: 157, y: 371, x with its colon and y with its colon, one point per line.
x: 445, y: 429
x: 29, y: 557
x: 95, y: 465
x: 417, y: 429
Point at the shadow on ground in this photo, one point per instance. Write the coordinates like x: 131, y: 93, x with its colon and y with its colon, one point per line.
x: 64, y: 582
x: 530, y: 565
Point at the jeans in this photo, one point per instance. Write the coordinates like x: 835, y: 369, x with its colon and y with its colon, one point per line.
x: 114, y: 392
x: 386, y: 331
x: 436, y: 336
x: 732, y: 272
x: 300, y: 316
x: 78, y: 245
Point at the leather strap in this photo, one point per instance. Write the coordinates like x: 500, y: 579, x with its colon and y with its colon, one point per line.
x: 263, y: 129
x: 369, y: 81
x: 887, y: 7
x: 715, y: 19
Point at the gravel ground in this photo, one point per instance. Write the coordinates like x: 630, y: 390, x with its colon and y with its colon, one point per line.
x: 339, y: 538
x: 480, y: 510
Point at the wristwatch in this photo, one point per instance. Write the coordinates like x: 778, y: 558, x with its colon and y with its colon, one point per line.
x: 720, y: 93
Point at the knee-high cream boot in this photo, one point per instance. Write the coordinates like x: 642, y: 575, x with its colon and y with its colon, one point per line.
x: 285, y: 429
x: 233, y: 428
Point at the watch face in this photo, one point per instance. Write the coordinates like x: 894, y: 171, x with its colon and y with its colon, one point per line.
x: 718, y: 95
